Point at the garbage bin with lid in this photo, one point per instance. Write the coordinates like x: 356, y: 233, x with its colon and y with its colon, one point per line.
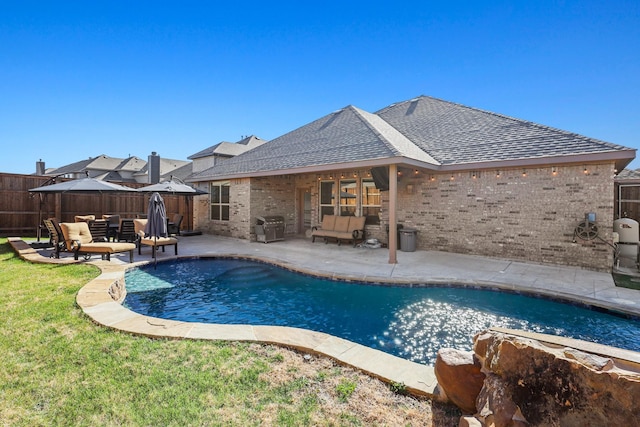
x: 408, y: 239
x: 398, y: 228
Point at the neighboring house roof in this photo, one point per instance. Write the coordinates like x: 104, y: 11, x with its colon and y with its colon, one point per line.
x: 423, y: 132
x: 182, y: 172
x: 628, y: 174
x: 120, y: 170
x: 229, y: 149
x: 166, y: 166
x: 100, y: 163
x: 132, y: 164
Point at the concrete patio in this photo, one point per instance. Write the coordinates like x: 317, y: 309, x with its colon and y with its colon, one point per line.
x: 347, y: 262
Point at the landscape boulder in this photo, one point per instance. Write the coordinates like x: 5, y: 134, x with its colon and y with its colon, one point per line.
x: 529, y: 383
x: 459, y: 377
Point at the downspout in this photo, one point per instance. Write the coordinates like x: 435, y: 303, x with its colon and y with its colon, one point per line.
x: 393, y: 196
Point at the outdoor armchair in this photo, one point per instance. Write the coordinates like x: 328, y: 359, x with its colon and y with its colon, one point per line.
x: 173, y: 227
x: 154, y: 242
x: 55, y: 236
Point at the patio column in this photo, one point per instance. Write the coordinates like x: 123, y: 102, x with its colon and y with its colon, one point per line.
x: 393, y: 196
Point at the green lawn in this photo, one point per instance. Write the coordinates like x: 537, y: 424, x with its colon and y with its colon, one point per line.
x: 59, y: 368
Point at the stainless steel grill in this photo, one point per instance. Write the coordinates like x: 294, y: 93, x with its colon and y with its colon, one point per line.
x: 269, y: 228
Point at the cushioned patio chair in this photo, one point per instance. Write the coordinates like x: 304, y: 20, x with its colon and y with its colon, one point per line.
x: 78, y: 239
x: 84, y: 218
x: 154, y: 242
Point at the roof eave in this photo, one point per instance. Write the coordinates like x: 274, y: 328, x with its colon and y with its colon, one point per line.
x: 621, y: 158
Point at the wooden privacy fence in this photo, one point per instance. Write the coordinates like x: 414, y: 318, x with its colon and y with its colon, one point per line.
x: 22, y: 212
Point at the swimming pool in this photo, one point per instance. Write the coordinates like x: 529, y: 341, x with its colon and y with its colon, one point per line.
x: 409, y: 322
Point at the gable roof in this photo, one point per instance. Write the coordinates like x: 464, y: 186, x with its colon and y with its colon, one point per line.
x: 422, y: 132
x: 229, y: 149
x: 101, y: 162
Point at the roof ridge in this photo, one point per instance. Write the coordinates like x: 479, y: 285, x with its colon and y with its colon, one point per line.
x: 398, y: 143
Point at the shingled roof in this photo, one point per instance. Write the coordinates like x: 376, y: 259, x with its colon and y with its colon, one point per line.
x: 423, y: 132
x: 229, y: 149
x: 456, y: 134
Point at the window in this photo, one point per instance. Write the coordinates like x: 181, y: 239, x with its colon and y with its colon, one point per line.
x: 348, y: 197
x: 370, y: 201
x: 220, y: 201
x: 356, y: 197
x: 326, y: 198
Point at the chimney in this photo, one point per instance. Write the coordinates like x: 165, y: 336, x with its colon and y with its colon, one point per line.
x: 154, y: 168
x: 40, y: 167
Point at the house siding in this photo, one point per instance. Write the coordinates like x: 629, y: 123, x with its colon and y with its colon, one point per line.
x: 530, y: 218
x: 522, y: 218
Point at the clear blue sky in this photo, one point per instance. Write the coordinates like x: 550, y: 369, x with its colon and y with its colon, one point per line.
x: 84, y: 78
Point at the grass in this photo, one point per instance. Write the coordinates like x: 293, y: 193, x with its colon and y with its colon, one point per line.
x: 626, y: 281
x: 59, y: 368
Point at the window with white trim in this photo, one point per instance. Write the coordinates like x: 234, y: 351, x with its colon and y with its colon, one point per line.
x: 220, y: 200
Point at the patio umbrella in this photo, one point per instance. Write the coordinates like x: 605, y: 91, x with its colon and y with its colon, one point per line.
x: 77, y: 186
x: 172, y: 187
x: 175, y: 187
x: 83, y: 185
x: 156, y: 219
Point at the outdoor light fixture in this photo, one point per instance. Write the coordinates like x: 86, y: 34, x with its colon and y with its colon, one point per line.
x: 498, y: 174
x: 554, y: 171
x: 524, y: 173
x: 586, y: 171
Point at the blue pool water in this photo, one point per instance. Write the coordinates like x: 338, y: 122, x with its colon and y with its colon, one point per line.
x: 410, y: 322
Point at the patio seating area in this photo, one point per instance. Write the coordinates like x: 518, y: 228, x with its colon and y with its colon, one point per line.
x: 349, y: 228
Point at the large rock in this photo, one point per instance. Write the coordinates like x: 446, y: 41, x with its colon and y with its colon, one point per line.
x: 529, y: 383
x: 459, y: 377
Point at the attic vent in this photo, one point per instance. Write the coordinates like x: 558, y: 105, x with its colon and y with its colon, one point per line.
x: 412, y: 107
x: 333, y: 117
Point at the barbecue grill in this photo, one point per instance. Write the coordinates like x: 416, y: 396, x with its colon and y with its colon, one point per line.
x: 269, y: 228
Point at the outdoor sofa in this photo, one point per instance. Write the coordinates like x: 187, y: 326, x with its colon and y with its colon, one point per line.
x: 154, y: 242
x: 341, y: 228
x: 79, y: 240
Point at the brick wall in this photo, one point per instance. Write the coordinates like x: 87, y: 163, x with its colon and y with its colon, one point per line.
x: 530, y: 218
x: 273, y: 196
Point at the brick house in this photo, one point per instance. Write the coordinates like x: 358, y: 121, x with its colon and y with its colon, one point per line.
x: 469, y: 181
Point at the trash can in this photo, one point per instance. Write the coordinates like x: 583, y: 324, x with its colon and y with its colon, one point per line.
x: 398, y: 240
x: 408, y: 239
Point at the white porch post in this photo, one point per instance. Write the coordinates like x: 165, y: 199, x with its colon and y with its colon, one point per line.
x: 393, y: 196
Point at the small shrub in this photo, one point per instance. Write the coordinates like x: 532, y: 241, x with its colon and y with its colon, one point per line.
x: 345, y: 389
x: 398, y: 388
